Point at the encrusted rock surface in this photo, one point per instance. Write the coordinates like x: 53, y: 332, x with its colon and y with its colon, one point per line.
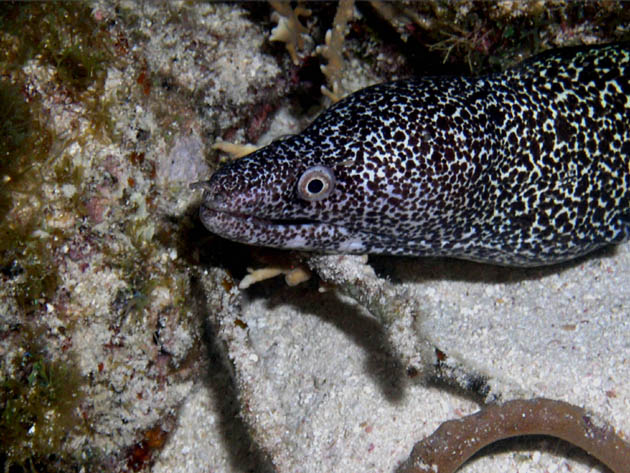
x: 125, y: 343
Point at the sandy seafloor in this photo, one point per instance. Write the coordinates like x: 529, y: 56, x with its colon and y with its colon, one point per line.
x: 326, y: 396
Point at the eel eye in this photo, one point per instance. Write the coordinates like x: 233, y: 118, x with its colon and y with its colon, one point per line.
x: 316, y: 183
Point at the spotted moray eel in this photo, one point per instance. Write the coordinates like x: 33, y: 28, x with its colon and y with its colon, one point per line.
x: 526, y: 167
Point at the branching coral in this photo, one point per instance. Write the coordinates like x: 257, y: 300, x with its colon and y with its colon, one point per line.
x: 332, y: 50
x: 455, y: 441
x: 402, y: 17
x: 293, y: 33
x: 292, y: 275
x: 235, y: 150
x: 289, y: 29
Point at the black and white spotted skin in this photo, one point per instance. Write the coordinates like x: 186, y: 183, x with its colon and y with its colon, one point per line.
x: 526, y: 167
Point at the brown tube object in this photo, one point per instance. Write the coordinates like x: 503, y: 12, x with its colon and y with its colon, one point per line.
x: 455, y: 441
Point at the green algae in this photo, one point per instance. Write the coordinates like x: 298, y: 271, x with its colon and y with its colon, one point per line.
x: 78, y: 68
x: 41, y: 389
x: 25, y: 143
x: 16, y: 128
x: 62, y: 34
x: 490, y: 37
x: 39, y: 407
x: 65, y: 36
x: 27, y: 146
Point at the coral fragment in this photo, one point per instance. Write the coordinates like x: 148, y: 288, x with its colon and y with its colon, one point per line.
x: 455, y: 441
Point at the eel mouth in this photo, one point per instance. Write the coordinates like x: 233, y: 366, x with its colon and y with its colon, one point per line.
x: 288, y: 234
x: 279, y: 233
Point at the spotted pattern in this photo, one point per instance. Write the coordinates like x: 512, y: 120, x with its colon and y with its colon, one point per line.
x: 527, y: 167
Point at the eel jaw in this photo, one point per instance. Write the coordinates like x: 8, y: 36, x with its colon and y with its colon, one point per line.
x: 305, y: 235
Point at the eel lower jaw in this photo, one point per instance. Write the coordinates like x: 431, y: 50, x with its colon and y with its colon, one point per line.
x: 210, y: 212
x: 295, y: 234
x: 248, y: 228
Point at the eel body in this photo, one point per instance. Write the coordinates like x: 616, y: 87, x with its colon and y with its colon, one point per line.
x: 526, y: 167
